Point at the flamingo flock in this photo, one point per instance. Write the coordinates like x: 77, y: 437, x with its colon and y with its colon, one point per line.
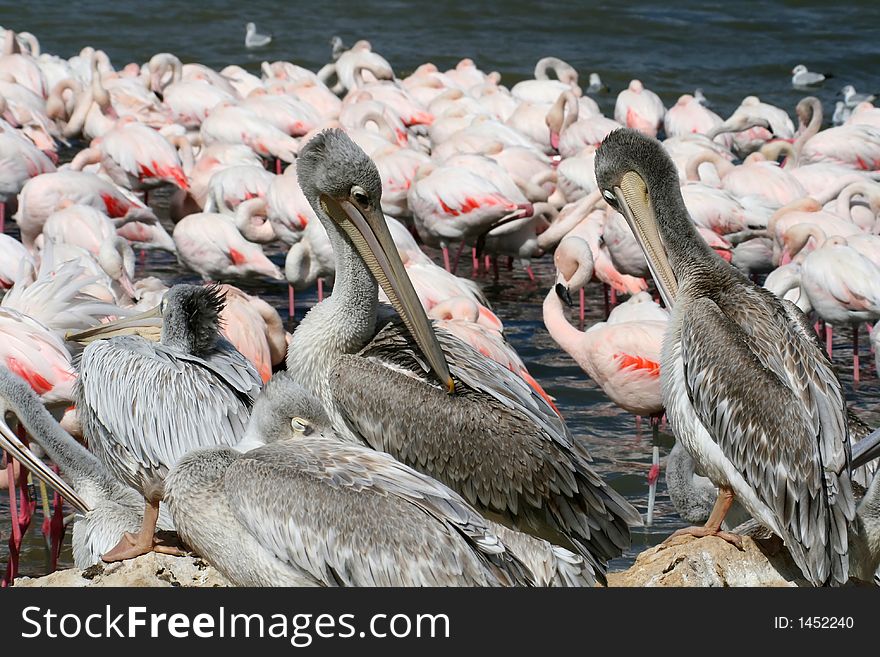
x: 476, y: 179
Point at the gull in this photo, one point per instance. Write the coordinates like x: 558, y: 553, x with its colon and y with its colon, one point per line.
x: 801, y: 77
x: 253, y: 39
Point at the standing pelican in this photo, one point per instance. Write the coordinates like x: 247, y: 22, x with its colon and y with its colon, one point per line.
x: 403, y: 387
x: 144, y: 405
x: 747, y: 388
x: 107, y: 506
x: 293, y: 505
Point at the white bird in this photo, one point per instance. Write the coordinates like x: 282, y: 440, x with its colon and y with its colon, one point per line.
x: 253, y: 39
x: 851, y: 98
x: 801, y: 77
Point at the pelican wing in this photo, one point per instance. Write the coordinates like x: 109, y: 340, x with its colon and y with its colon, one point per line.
x: 783, y: 427
x: 495, y: 441
x: 144, y: 405
x: 352, y: 516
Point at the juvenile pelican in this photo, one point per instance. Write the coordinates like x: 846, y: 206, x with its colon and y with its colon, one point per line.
x: 294, y: 505
x: 431, y: 401
x: 144, y: 405
x: 107, y: 506
x: 747, y: 388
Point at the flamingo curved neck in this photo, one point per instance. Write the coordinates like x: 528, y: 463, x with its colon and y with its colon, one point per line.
x: 812, y: 128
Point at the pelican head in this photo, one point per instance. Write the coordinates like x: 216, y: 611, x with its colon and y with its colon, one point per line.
x: 284, y: 411
x: 639, y: 179
x: 187, y: 319
x: 343, y: 186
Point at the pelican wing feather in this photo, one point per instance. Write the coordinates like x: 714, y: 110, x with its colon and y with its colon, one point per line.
x: 146, y: 405
x: 351, y: 516
x: 495, y: 441
x: 783, y: 426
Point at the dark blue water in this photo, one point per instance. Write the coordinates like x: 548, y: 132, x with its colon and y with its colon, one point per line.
x: 729, y: 50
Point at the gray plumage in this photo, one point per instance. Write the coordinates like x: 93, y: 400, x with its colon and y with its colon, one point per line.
x: 494, y: 441
x: 114, y: 507
x: 309, y: 509
x: 144, y: 405
x: 751, y: 396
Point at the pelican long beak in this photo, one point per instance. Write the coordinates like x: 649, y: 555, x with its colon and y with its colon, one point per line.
x: 635, y: 206
x: 22, y: 453
x: 147, y: 325
x: 369, y: 233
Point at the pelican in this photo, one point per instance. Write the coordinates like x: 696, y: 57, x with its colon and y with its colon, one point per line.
x: 404, y: 387
x: 293, y: 505
x: 747, y: 388
x: 106, y: 507
x: 144, y: 405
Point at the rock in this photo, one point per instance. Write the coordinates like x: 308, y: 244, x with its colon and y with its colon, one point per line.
x: 712, y: 561
x: 151, y: 569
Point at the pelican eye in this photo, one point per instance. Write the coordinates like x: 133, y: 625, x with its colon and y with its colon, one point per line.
x: 301, y: 426
x: 610, y: 198
x: 360, y: 196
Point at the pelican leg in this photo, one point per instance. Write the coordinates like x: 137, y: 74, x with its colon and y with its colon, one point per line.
x: 713, y: 525
x: 134, y: 545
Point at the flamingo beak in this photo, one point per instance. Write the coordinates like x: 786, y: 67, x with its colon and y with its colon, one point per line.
x: 635, y: 205
x: 22, y: 453
x: 369, y: 233
x: 147, y: 325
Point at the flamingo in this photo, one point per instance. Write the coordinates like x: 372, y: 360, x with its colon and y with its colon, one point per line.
x: 212, y: 246
x: 688, y: 116
x: 15, y: 261
x: 852, y: 145
x: 254, y: 328
x: 640, y: 109
x: 542, y: 89
x: 843, y: 287
x: 134, y: 156
x: 568, y: 134
x: 232, y: 124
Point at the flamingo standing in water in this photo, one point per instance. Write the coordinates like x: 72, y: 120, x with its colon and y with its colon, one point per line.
x: 843, y: 286
x: 621, y: 355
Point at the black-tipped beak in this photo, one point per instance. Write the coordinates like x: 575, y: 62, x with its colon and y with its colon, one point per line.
x: 562, y: 293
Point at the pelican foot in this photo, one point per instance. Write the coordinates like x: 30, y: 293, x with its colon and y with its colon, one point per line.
x: 699, y: 532
x: 128, y: 547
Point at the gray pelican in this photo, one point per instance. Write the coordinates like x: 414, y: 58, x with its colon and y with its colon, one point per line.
x: 747, y: 388
x: 417, y: 392
x: 143, y: 404
x: 106, y: 507
x: 294, y: 505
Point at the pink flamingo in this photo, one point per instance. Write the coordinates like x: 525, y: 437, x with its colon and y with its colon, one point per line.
x: 688, y: 116
x: 570, y: 134
x: 543, y: 89
x: 843, y: 287
x: 453, y: 204
x: 287, y: 207
x: 15, y: 261
x: 852, y: 145
x: 46, y: 193
x: 232, y: 124
x: 212, y: 246
x: 134, y: 156
x: 231, y: 185
x: 254, y: 328
x: 190, y: 101
x: 640, y: 109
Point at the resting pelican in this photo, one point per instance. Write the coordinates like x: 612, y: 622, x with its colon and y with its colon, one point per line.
x: 431, y: 401
x: 747, y: 388
x: 107, y: 506
x: 294, y: 505
x: 144, y: 405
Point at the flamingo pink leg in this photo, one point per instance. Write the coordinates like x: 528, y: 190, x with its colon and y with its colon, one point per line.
x: 457, y: 256
x: 487, y: 262
x: 446, y: 259
x: 828, y: 340
x: 475, y: 261
x: 613, y: 297
x: 531, y: 273
x: 638, y: 425
x: 2, y: 217
x: 290, y: 300
x: 278, y: 166
x: 320, y: 289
